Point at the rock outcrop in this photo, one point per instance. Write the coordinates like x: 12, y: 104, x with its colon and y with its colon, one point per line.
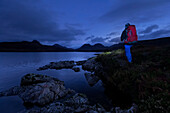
x: 46, y: 91
x: 43, y: 93
x: 80, y: 62
x: 77, y: 104
x: 58, y: 65
x: 92, y: 65
x: 38, y: 89
x: 31, y: 79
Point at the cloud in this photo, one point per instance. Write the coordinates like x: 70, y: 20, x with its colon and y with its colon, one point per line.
x: 23, y: 20
x: 156, y: 34
x: 112, y: 33
x: 98, y: 39
x: 90, y: 37
x: 136, y: 11
x: 150, y: 29
x: 117, y: 39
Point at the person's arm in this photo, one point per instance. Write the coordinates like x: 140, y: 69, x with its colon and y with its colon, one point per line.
x: 123, y: 36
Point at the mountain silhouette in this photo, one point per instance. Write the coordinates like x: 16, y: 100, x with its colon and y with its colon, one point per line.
x: 96, y: 47
x: 36, y: 46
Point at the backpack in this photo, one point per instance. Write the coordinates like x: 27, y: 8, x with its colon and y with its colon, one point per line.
x: 131, y: 34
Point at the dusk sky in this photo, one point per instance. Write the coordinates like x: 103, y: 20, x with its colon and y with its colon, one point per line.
x: 73, y: 23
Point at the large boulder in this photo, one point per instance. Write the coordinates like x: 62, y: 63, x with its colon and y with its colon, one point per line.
x: 38, y: 89
x: 58, y: 65
x: 92, y: 65
x: 43, y: 93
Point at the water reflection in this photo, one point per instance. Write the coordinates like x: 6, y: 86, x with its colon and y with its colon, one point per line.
x: 14, y: 65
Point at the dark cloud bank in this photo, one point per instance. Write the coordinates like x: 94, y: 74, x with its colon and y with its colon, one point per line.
x: 137, y: 11
x: 20, y: 20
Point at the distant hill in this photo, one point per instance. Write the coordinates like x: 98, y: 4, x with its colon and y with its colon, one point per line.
x: 36, y: 46
x: 153, y: 42
x: 96, y: 47
x: 33, y: 46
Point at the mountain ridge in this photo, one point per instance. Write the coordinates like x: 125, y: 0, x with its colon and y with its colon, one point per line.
x: 36, y: 46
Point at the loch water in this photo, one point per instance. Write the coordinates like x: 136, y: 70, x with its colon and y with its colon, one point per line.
x: 14, y: 65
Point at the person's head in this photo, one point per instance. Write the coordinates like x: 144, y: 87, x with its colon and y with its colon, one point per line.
x: 127, y: 25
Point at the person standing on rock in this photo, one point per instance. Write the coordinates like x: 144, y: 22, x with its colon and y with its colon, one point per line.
x: 129, y: 37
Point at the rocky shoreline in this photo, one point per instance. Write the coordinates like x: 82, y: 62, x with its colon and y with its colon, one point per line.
x: 146, y: 81
x: 49, y: 94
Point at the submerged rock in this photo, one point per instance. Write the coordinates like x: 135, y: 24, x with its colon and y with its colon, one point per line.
x: 91, y: 78
x: 76, y: 69
x: 58, y: 65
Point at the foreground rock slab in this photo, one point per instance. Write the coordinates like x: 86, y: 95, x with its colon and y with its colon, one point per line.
x: 38, y: 89
x: 77, y: 104
x: 50, y: 96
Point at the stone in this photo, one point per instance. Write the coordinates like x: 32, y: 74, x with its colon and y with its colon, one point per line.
x: 91, y: 78
x: 43, y: 93
x: 92, y: 65
x: 76, y: 69
x: 58, y: 65
x: 30, y: 79
x: 77, y: 99
x: 38, y: 89
x: 80, y: 62
x: 11, y: 92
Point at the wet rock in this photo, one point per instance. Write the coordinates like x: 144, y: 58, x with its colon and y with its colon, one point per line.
x: 30, y: 79
x: 91, y: 79
x: 38, y: 89
x: 58, y: 65
x: 80, y: 62
x: 92, y: 65
x: 12, y: 91
x: 78, y: 103
x: 89, y: 65
x: 43, y: 93
x: 133, y: 109
x: 76, y: 69
x: 77, y: 99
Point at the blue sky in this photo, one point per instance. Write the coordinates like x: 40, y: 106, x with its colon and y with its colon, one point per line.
x: 72, y: 23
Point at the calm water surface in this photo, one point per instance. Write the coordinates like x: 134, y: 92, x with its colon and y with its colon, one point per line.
x: 14, y: 65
